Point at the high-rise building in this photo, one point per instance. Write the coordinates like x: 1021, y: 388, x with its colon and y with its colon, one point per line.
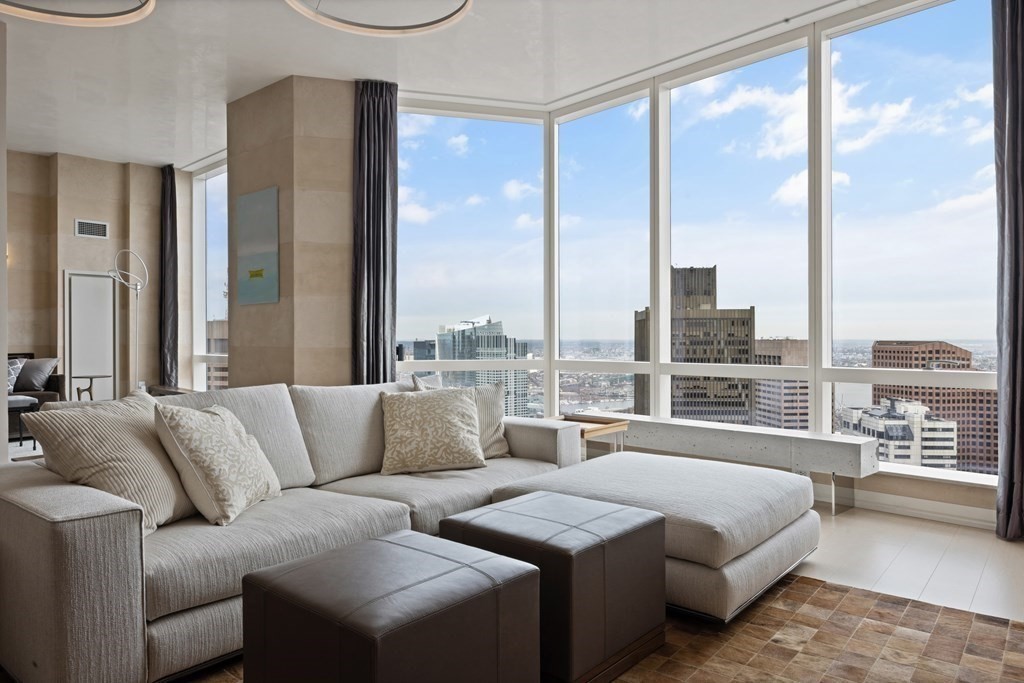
x: 908, y: 432
x: 781, y: 403
x: 702, y: 333
x: 484, y: 339
x: 217, y: 343
x: 424, y: 349
x: 973, y: 410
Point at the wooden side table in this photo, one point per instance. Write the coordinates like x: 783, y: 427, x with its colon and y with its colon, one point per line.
x: 593, y: 426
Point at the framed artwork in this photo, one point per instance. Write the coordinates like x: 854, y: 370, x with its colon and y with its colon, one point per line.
x: 258, y: 277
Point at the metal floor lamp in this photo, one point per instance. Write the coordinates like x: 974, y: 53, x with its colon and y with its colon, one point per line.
x: 136, y: 283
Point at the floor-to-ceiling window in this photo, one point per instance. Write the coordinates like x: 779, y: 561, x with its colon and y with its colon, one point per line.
x: 604, y: 259
x: 471, y: 253
x: 797, y: 234
x: 210, y: 232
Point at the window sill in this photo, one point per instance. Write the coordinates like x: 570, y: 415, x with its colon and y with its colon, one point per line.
x: 985, y: 481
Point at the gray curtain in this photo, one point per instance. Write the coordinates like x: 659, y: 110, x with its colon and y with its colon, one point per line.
x: 1008, y: 49
x: 168, y: 279
x: 374, y: 203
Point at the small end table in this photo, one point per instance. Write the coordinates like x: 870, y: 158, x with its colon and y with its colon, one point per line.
x: 593, y: 426
x: 21, y: 405
x: 88, y: 389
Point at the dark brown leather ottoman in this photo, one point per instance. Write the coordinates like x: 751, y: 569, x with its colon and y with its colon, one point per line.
x: 602, y: 576
x: 402, y: 607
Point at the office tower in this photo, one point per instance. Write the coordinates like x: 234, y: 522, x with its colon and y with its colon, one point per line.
x: 484, y: 339
x: 781, y: 403
x: 424, y: 349
x: 908, y: 432
x: 702, y: 333
x: 973, y: 410
x: 217, y: 344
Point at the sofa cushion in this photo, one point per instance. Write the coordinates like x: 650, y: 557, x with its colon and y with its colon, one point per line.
x: 714, y: 511
x: 113, y: 446
x: 34, y: 374
x: 223, y: 469
x: 266, y: 412
x: 194, y: 563
x: 432, y: 496
x: 431, y: 431
x: 490, y: 413
x: 343, y: 428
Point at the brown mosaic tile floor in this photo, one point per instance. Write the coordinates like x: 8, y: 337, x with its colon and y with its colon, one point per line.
x: 808, y: 630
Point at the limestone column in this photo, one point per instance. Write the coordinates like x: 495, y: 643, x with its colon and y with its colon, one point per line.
x: 295, y: 135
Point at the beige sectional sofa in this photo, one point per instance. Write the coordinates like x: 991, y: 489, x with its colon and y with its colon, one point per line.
x: 85, y: 597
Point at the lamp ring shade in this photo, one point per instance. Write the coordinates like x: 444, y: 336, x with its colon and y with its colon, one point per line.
x: 313, y: 12
x: 137, y: 11
x: 125, y: 276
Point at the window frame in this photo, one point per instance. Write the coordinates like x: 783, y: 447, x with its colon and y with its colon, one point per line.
x: 819, y: 373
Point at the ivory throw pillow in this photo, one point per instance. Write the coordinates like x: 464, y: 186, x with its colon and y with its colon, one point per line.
x: 222, y: 467
x: 490, y: 408
x: 428, y: 431
x: 113, y: 446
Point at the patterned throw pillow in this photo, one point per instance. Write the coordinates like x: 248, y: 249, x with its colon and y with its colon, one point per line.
x: 427, y: 431
x: 113, y: 446
x: 490, y: 408
x: 14, y: 366
x: 223, y: 469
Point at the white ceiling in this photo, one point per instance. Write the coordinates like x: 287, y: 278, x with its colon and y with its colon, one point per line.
x: 155, y: 92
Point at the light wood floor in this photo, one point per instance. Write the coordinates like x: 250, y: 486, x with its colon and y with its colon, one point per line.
x: 938, y: 563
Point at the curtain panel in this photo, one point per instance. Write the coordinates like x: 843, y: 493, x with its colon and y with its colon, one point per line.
x: 168, y: 278
x: 374, y: 203
x: 1008, y: 82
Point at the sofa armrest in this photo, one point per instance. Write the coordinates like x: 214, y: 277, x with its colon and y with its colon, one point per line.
x: 55, y: 383
x: 71, y: 580
x: 554, y: 441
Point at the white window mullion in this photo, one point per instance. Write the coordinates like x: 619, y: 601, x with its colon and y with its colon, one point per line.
x: 661, y: 252
x: 551, y: 333
x: 819, y: 330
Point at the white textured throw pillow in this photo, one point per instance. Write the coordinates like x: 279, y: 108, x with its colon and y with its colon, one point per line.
x: 428, y: 431
x: 113, y: 446
x: 490, y: 408
x: 223, y: 469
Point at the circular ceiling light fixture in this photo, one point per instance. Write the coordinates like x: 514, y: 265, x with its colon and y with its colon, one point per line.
x: 104, y: 15
x: 311, y: 10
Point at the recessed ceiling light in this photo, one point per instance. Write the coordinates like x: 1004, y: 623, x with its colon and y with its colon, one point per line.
x: 310, y: 10
x: 136, y: 10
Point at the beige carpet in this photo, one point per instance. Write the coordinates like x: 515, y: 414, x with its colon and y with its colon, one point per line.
x: 808, y: 630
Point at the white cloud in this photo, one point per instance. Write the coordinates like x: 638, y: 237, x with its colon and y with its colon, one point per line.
x: 637, y: 110
x: 526, y: 221
x: 568, y: 168
x: 986, y: 172
x: 569, y: 220
x: 415, y: 213
x: 414, y: 125
x: 403, y: 164
x: 965, y: 204
x: 784, y: 132
x: 410, y: 208
x: 983, y: 95
x: 411, y: 144
x: 981, y: 133
x: 887, y: 118
x: 475, y: 200
x: 459, y: 144
x: 708, y: 86
x: 516, y: 189
x: 793, y: 190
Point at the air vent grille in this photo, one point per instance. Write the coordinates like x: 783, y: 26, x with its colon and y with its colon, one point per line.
x: 84, y: 228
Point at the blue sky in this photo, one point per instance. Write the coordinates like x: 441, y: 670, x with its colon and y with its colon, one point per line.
x: 216, y: 247
x: 913, y: 197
